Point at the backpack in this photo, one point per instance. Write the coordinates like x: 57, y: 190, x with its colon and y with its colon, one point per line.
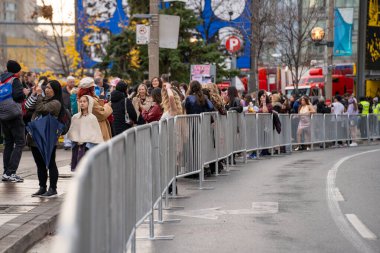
x: 9, y: 109
x: 65, y: 119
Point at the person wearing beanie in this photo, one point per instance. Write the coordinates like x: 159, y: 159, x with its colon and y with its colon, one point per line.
x: 120, y: 104
x: 13, y: 129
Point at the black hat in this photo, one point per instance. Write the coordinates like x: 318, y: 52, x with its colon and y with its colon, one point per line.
x: 13, y: 66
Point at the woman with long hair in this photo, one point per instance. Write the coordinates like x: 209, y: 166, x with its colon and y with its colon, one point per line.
x: 171, y: 102
x: 233, y: 100
x: 52, y: 104
x: 196, y: 102
x: 353, y: 111
x: 215, y: 98
x: 101, y: 110
x: 305, y: 110
x: 265, y: 105
x: 142, y: 101
x: 154, y: 113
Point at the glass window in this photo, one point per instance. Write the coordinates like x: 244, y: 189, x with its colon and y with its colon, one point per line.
x: 9, y: 11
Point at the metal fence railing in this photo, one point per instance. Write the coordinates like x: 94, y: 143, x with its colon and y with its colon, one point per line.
x: 120, y: 183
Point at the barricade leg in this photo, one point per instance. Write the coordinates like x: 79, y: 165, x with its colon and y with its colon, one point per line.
x: 167, y: 206
x: 174, y: 191
x: 152, y: 237
x: 160, y: 215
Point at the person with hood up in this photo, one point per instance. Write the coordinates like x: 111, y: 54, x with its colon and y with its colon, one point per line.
x: 13, y: 128
x: 123, y: 111
x: 84, y: 131
x: 101, y: 110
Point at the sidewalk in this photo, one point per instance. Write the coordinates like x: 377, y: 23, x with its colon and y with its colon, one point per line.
x: 25, y: 220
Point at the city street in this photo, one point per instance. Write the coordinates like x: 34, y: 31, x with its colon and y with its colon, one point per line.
x: 282, y: 204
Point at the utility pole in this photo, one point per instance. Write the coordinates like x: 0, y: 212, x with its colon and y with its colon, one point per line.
x: 330, y: 49
x: 153, y: 47
x: 361, y: 55
x: 254, y: 9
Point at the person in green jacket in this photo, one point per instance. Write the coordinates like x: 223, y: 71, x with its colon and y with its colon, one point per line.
x: 364, y: 108
x: 73, y: 101
x: 376, y: 119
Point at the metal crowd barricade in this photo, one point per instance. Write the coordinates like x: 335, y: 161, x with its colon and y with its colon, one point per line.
x: 302, y: 126
x: 330, y: 127
x: 285, y: 136
x: 317, y: 128
x: 265, y: 130
x: 188, y: 144
x: 342, y: 127
x: 119, y: 183
x: 251, y: 132
x: 374, y: 125
x: 224, y: 137
x: 209, y: 131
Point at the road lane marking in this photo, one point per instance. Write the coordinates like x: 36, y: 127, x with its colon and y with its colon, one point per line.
x: 336, y: 213
x: 360, y: 227
x: 258, y: 208
x: 338, y: 196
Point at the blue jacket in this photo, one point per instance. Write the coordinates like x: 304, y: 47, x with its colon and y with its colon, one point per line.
x: 192, y: 107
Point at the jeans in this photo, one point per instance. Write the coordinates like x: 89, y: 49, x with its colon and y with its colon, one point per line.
x: 14, y: 142
x: 42, y: 170
x: 66, y: 142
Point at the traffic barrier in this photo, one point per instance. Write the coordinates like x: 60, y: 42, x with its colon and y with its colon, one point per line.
x: 120, y: 183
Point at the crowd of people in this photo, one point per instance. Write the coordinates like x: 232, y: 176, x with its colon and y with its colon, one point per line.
x: 100, y: 110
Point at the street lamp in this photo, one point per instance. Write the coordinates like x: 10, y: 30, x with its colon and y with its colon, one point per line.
x: 317, y: 35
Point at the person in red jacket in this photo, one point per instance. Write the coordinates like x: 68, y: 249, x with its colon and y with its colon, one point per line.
x: 154, y: 113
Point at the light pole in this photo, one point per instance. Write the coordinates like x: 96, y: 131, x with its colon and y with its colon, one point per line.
x: 153, y: 47
x: 317, y: 35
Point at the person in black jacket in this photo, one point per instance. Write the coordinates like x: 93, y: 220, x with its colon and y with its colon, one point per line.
x: 13, y: 130
x: 120, y: 103
x: 233, y: 100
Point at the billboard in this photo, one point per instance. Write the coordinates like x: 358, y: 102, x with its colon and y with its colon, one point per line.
x: 98, y: 19
x: 373, y: 34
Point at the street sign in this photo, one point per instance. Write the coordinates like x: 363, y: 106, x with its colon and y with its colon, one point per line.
x: 142, y: 34
x: 233, y: 44
x: 169, y: 31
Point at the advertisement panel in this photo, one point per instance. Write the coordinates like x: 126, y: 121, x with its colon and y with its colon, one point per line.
x: 373, y: 33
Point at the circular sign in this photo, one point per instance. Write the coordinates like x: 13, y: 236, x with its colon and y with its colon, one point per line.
x: 317, y: 34
x: 233, y: 44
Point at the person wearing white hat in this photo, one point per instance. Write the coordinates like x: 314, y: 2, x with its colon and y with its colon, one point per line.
x: 101, y: 110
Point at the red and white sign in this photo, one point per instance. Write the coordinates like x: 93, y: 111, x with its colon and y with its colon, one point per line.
x: 233, y: 44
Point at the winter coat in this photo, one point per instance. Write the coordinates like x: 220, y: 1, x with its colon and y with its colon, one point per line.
x: 148, y: 102
x: 102, y: 112
x: 66, y: 98
x: 118, y: 100
x: 192, y: 107
x: 153, y: 114
x: 235, y: 105
x: 74, y: 103
x: 43, y: 107
x: 85, y: 128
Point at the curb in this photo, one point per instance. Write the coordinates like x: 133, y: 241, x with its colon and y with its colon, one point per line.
x: 24, y: 231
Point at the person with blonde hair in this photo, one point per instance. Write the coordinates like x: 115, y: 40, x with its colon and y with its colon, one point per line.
x: 142, y: 101
x: 215, y: 98
x: 171, y: 102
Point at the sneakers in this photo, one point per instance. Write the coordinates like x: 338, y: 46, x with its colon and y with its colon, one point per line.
x: 12, y: 178
x: 353, y: 144
x: 51, y: 193
x: 41, y: 191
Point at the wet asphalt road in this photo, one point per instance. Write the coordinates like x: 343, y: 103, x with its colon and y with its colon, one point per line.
x: 281, y: 204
